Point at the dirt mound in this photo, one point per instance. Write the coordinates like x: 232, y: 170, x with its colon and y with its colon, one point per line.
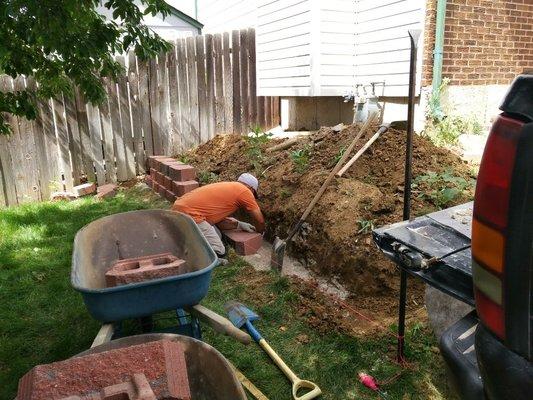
x: 336, y: 240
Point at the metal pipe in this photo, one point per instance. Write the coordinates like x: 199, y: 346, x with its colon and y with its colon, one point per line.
x: 413, y: 36
x: 438, y: 51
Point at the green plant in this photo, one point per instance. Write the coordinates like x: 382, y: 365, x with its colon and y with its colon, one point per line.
x: 285, y: 193
x: 206, y: 177
x: 339, y: 155
x: 67, y: 44
x: 300, y: 158
x: 441, y: 189
x: 184, y: 158
x: 365, y: 225
x: 443, y: 126
x: 255, y: 140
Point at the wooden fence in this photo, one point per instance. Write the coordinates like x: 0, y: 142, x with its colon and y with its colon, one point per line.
x: 204, y: 86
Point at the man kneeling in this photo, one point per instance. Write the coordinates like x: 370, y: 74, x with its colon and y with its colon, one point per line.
x: 211, y: 205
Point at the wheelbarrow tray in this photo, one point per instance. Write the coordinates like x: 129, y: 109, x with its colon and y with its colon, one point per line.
x: 210, y: 374
x: 134, y: 234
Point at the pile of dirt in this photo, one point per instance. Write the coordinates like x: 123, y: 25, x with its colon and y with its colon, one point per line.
x: 336, y: 239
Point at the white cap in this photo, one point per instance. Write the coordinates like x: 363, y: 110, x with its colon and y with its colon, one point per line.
x: 249, y: 180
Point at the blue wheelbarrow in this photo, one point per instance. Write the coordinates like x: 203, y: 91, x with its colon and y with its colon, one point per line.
x: 142, y: 233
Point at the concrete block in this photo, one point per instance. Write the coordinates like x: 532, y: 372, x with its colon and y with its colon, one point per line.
x: 181, y: 172
x: 170, y: 196
x: 140, y: 269
x: 154, y: 370
x: 84, y: 189
x: 160, y: 178
x: 180, y: 188
x: 107, y: 191
x: 167, y: 183
x: 244, y: 243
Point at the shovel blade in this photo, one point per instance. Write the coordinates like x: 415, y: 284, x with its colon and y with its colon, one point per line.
x: 277, y: 254
x: 238, y: 313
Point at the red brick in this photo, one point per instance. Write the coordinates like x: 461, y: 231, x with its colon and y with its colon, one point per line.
x: 153, y: 173
x: 180, y: 188
x: 167, y: 183
x: 141, y: 269
x: 149, y: 181
x: 166, y: 165
x: 160, y: 189
x: 181, y: 172
x: 170, y: 196
x: 155, y: 161
x: 157, y: 368
x: 84, y: 189
x: 245, y: 243
x: 107, y: 191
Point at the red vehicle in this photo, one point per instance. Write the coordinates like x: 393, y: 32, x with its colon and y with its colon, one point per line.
x: 490, y: 351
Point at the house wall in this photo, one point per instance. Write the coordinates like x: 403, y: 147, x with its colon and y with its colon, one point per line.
x: 486, y: 44
x: 226, y: 15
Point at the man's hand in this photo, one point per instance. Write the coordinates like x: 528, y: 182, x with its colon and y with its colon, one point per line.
x: 245, y: 226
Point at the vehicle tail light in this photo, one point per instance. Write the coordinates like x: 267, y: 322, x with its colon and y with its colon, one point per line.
x: 490, y: 222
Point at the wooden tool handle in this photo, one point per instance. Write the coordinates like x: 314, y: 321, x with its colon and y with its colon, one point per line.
x: 362, y: 150
x: 297, y: 383
x: 219, y: 323
x: 332, y: 173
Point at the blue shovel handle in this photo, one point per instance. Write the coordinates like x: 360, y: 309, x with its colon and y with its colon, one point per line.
x: 254, y: 333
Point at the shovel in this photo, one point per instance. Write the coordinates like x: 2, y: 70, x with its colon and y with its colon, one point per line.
x: 278, y: 247
x: 240, y: 316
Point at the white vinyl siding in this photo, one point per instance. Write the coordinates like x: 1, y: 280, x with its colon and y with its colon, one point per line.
x: 226, y: 15
x: 283, y: 48
x: 324, y: 47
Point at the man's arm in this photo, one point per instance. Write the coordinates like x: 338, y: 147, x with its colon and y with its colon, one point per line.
x: 259, y: 220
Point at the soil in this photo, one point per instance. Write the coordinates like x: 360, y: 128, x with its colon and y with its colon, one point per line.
x: 333, y: 241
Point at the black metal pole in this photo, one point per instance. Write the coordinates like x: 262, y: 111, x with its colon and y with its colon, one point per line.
x: 413, y: 36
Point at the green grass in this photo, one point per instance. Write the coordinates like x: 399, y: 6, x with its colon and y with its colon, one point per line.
x: 42, y: 319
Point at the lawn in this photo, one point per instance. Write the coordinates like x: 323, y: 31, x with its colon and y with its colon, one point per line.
x: 42, y: 319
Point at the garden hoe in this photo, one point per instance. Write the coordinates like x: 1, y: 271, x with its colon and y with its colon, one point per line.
x: 240, y: 316
x: 278, y: 247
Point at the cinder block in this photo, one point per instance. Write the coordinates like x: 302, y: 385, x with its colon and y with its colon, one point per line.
x: 166, y: 164
x: 84, y: 189
x: 160, y: 178
x: 180, y: 188
x: 149, y: 181
x: 244, y: 243
x: 146, y: 268
x: 107, y: 191
x: 148, y: 371
x: 170, y: 196
x: 181, y: 172
x: 167, y: 183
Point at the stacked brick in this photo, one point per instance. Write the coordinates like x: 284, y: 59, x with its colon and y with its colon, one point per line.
x: 149, y: 371
x: 485, y: 41
x: 170, y: 178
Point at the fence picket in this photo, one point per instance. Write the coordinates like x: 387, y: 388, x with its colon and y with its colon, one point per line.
x: 245, y: 99
x: 228, y: 83
x: 135, y: 109
x: 193, y: 90
x: 204, y: 86
x: 174, y: 103
x: 235, y: 63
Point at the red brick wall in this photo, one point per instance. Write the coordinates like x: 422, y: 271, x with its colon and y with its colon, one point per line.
x: 485, y: 41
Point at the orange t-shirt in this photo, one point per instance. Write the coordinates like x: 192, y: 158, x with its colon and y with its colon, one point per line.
x: 216, y: 201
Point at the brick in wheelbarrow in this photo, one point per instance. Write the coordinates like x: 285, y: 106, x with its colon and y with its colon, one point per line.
x: 181, y: 188
x: 181, y: 172
x: 244, y: 243
x: 140, y: 269
x: 162, y: 363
